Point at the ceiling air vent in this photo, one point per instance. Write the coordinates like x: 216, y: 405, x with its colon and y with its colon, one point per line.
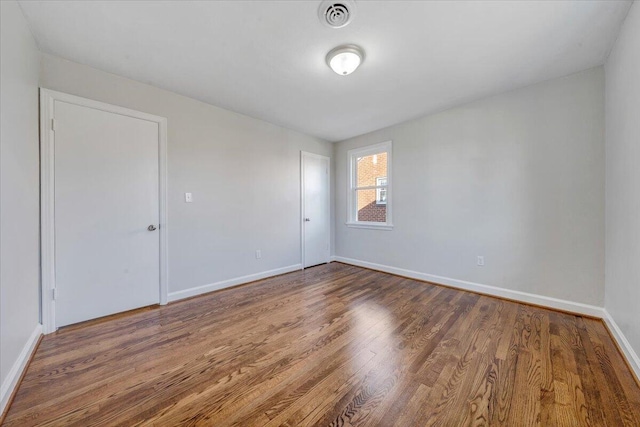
x: 336, y: 14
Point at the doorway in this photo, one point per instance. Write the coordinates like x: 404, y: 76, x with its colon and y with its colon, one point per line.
x: 103, y: 209
x: 316, y: 218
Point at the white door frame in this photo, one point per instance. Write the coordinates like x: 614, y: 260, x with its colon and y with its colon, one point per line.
x: 47, y: 195
x: 328, y: 159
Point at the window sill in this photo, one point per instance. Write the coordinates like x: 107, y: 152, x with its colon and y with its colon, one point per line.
x: 370, y: 225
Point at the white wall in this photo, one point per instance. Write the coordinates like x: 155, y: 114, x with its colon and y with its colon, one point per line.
x: 517, y: 178
x: 244, y: 175
x: 19, y: 193
x: 622, y: 291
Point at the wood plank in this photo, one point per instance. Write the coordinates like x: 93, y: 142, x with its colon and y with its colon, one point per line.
x: 330, y: 345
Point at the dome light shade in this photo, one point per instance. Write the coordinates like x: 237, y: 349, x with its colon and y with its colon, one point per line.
x: 345, y: 59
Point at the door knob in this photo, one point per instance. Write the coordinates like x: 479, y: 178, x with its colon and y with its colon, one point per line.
x: 307, y: 220
x: 151, y: 227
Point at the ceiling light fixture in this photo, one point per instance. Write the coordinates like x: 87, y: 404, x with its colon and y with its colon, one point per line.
x: 345, y: 59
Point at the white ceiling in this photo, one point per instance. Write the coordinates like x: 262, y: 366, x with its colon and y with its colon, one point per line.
x: 266, y: 59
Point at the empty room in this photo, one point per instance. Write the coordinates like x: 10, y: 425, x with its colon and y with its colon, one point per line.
x: 320, y: 213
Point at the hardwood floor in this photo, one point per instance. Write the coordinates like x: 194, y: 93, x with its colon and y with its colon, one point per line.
x: 334, y: 345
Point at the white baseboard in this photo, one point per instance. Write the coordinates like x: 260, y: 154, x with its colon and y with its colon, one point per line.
x: 11, y: 382
x: 191, y: 292
x: 555, y: 303
x: 623, y: 343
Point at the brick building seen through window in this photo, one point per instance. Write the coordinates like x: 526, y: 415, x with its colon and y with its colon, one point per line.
x: 372, y: 204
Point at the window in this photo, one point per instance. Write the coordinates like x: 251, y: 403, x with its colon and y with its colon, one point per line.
x: 370, y: 187
x: 381, y: 190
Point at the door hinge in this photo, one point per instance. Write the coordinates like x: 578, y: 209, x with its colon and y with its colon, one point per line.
x: 53, y: 294
x: 54, y: 125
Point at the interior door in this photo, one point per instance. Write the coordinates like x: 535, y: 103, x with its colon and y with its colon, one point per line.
x: 106, y: 213
x: 315, y: 212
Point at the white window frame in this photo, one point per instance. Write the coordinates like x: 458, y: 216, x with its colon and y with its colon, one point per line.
x: 352, y: 206
x: 379, y: 188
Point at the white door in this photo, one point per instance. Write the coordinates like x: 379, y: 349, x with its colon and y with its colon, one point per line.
x: 315, y: 209
x: 106, y: 213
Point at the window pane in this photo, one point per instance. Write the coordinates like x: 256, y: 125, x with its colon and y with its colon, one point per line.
x: 370, y: 168
x: 381, y: 193
x: 368, y: 207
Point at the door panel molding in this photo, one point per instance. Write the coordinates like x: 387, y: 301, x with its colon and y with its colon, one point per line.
x: 47, y: 195
x: 304, y: 154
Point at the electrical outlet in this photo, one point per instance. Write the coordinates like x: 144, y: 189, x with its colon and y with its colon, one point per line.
x: 258, y: 254
x: 188, y: 197
x: 481, y: 261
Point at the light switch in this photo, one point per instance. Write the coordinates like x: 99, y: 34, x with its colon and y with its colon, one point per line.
x: 188, y: 197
